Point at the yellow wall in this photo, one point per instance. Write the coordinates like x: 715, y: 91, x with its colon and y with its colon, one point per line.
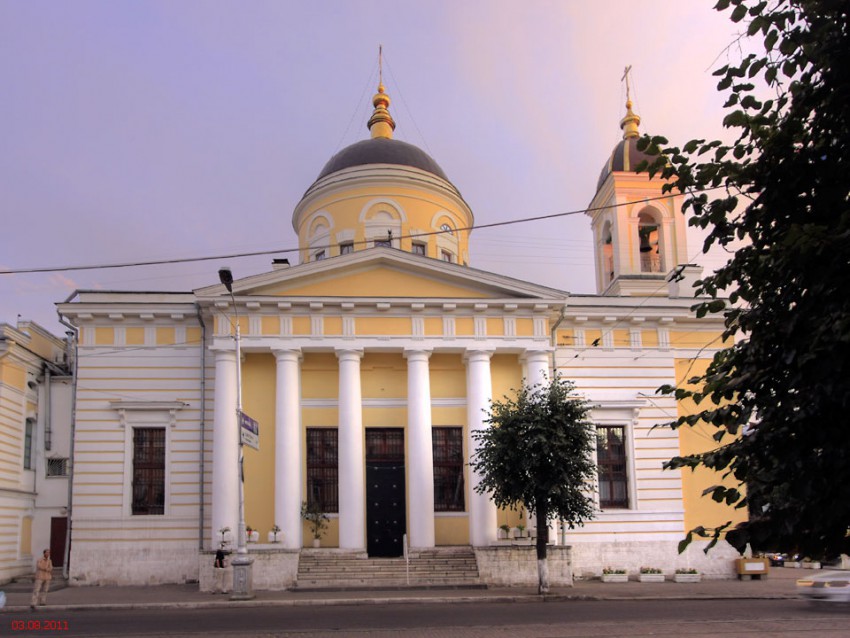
x: 464, y: 326
x: 376, y: 283
x: 26, y: 536
x: 700, y: 510
x: 270, y: 325
x: 165, y: 336
x: 423, y: 210
x: 506, y: 373
x: 13, y: 375
x: 448, y: 376
x: 694, y: 339
x: 451, y: 530
x: 258, y: 401
x: 383, y: 326
x: 622, y: 338
x: 104, y: 336
x: 591, y: 336
x: 193, y: 336
x: 524, y: 327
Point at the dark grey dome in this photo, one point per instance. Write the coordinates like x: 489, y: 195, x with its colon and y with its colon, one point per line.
x: 625, y: 157
x: 381, y: 150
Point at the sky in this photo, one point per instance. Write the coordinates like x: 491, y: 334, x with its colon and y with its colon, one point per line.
x: 143, y: 130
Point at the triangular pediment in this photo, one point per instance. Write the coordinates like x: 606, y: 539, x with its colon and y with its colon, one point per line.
x: 384, y: 273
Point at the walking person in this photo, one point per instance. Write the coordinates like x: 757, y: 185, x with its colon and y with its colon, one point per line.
x: 43, y: 576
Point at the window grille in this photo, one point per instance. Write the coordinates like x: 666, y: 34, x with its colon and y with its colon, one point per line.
x: 384, y: 445
x: 148, y: 471
x: 29, y: 431
x: 611, y: 466
x: 448, y: 469
x: 57, y: 467
x: 323, y: 468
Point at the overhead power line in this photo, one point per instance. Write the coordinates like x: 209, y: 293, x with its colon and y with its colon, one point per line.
x: 281, y: 251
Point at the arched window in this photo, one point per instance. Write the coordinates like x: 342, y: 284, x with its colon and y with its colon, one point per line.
x: 649, y: 241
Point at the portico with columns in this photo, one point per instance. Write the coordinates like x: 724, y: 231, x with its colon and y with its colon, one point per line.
x: 465, y: 335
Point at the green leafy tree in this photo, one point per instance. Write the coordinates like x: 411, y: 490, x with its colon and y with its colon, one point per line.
x: 779, y: 398
x: 538, y: 452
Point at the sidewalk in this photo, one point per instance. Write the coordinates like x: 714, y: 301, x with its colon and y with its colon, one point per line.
x: 780, y: 584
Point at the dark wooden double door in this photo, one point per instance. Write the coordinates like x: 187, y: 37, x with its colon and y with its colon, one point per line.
x: 385, y: 492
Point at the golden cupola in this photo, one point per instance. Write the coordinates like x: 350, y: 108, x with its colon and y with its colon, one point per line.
x: 386, y: 193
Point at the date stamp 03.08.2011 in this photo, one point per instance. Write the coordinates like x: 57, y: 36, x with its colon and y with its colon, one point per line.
x: 39, y: 625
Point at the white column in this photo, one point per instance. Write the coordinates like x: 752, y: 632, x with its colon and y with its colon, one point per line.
x: 225, y: 452
x: 479, y: 392
x: 536, y: 374
x: 352, y: 459
x: 287, y: 448
x: 420, y: 456
x: 536, y: 367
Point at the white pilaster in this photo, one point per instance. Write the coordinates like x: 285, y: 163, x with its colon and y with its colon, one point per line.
x: 287, y: 449
x: 420, y: 450
x: 479, y: 392
x: 352, y: 459
x: 225, y: 453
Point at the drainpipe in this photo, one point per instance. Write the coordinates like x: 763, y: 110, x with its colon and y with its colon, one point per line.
x: 203, y: 426
x: 553, y: 339
x: 73, y: 337
x: 553, y: 336
x: 48, y: 430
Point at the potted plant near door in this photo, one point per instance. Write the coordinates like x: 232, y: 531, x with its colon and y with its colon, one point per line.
x: 316, y: 519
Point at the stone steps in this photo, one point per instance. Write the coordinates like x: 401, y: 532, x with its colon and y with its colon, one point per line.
x: 335, y: 570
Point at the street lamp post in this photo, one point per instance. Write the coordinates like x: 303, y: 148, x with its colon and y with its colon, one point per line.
x: 243, y: 577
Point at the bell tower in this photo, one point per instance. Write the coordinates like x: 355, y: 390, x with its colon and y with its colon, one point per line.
x: 638, y: 232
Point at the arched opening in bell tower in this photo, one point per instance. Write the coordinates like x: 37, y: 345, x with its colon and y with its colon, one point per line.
x: 649, y: 242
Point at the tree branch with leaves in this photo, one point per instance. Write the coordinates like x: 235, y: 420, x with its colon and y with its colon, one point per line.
x: 778, y: 400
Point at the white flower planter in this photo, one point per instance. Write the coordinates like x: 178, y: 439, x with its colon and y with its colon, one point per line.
x: 651, y: 578
x: 687, y: 578
x: 615, y: 578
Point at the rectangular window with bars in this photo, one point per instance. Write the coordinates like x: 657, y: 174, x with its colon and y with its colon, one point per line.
x: 57, y: 467
x: 323, y: 468
x: 611, y: 466
x: 29, y: 432
x: 448, y: 469
x: 148, y: 471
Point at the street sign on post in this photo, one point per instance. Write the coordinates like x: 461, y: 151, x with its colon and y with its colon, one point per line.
x: 249, y: 431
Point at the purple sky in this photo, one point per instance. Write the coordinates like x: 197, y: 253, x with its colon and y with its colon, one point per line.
x: 154, y: 130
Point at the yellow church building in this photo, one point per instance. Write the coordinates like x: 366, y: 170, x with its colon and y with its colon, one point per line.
x: 368, y: 366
